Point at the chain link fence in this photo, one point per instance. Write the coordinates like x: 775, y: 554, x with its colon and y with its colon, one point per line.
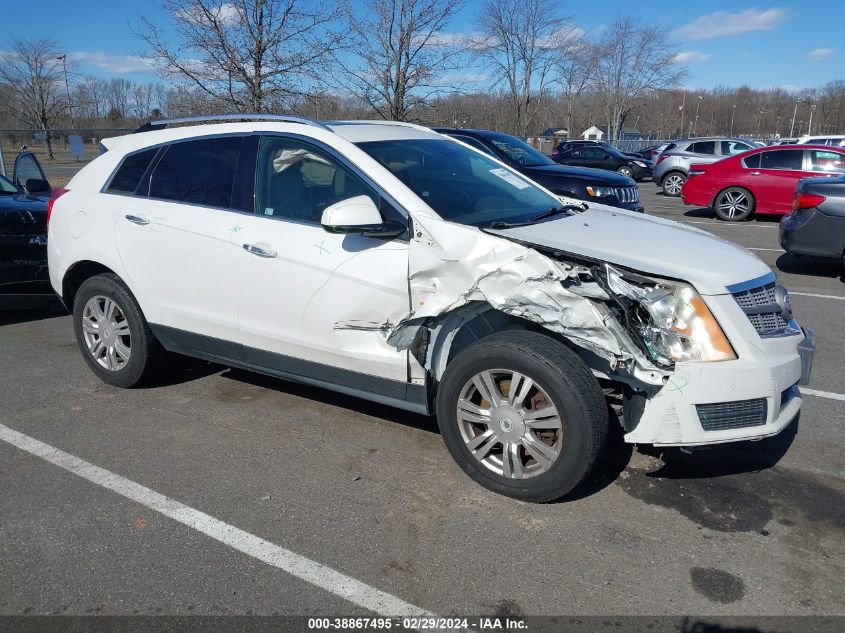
x: 61, y: 153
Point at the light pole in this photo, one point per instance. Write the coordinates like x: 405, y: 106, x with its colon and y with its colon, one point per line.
x: 681, y: 110
x: 697, y: 106
x: 794, y: 114
x: 810, y: 123
x: 733, y: 112
x: 62, y: 58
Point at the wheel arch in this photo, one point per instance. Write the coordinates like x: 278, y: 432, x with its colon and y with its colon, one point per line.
x: 77, y: 274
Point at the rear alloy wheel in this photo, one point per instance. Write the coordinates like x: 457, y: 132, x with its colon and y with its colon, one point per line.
x: 673, y: 183
x: 113, y: 334
x: 734, y: 204
x: 625, y: 171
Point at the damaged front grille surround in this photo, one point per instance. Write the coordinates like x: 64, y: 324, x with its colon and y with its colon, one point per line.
x: 767, y: 307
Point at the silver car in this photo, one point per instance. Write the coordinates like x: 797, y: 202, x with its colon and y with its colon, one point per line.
x: 673, y: 164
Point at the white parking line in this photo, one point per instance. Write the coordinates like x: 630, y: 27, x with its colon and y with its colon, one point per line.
x: 773, y: 250
x: 823, y: 394
x: 306, y: 569
x: 810, y: 294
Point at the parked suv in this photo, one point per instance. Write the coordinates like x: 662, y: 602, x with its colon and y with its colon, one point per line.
x: 672, y: 167
x: 582, y: 183
x: 388, y: 262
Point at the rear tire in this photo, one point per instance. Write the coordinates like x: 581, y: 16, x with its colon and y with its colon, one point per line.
x: 734, y: 204
x: 113, y: 334
x: 544, y: 433
x: 672, y: 184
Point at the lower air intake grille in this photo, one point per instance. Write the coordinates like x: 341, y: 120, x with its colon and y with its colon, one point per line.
x: 732, y: 415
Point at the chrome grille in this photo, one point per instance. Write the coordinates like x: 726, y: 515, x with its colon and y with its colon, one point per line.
x: 732, y: 415
x: 761, y: 308
x: 627, y: 195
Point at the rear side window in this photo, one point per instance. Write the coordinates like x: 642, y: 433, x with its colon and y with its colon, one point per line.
x: 782, y: 159
x: 703, y: 147
x: 198, y: 172
x: 131, y: 170
x: 827, y: 162
x: 752, y: 162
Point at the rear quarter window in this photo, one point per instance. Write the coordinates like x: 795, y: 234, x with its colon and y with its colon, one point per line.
x: 131, y: 170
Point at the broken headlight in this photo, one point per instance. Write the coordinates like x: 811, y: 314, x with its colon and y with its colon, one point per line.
x: 671, y: 319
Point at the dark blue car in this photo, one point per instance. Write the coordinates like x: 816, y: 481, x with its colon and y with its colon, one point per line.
x: 24, y: 278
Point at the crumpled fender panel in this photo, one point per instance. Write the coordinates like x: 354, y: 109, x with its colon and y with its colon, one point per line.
x: 452, y: 265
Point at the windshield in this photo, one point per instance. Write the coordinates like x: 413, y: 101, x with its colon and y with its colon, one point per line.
x: 519, y: 151
x: 6, y: 186
x: 460, y: 184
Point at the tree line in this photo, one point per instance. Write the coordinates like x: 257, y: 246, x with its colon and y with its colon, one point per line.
x: 524, y: 67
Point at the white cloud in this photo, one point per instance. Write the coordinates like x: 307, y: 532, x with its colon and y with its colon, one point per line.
x: 467, y: 77
x: 723, y: 24
x: 686, y: 57
x: 820, y: 53
x: 117, y: 64
x: 226, y: 14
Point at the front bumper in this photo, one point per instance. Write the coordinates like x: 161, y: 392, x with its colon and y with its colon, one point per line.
x: 674, y: 417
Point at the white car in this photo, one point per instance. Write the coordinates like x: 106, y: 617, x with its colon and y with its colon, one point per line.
x: 836, y: 140
x: 388, y: 262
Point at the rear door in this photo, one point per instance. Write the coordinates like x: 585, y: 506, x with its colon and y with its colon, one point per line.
x: 177, y: 236
x: 773, y: 181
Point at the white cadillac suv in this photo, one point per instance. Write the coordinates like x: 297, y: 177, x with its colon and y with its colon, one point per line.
x: 391, y: 263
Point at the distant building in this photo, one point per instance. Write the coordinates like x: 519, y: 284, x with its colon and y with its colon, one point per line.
x: 598, y: 132
x: 556, y: 132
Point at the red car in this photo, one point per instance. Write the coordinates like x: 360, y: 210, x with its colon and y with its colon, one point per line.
x: 759, y: 181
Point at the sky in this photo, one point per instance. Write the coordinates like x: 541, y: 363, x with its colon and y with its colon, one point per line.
x: 724, y: 43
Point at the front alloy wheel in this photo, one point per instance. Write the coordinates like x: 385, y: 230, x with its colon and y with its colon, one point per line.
x: 672, y: 184
x: 106, y: 333
x: 509, y: 423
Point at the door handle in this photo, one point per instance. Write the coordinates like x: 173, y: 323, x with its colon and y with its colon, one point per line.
x: 137, y: 219
x: 258, y: 250
x: 754, y: 173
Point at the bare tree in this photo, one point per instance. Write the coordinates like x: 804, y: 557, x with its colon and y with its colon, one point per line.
x: 576, y: 66
x: 521, y: 40
x: 251, y: 55
x: 401, y: 57
x: 118, y: 96
x: 634, y: 60
x: 33, y: 76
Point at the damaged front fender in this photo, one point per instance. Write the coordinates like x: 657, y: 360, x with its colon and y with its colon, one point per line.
x: 453, y: 265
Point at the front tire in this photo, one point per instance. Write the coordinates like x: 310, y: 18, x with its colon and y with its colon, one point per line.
x: 734, y: 204
x: 672, y: 184
x: 522, y: 415
x: 625, y: 171
x: 113, y: 334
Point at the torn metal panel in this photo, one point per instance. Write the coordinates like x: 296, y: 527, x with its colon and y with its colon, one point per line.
x: 452, y: 266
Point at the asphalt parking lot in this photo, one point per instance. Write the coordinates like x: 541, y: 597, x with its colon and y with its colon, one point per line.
x: 333, y: 484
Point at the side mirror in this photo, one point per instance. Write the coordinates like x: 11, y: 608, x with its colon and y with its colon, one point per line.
x: 353, y: 215
x: 36, y: 185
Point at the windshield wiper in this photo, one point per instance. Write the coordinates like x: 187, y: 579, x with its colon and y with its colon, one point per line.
x: 567, y: 208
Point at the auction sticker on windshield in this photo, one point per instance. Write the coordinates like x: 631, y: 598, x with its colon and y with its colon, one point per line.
x: 513, y: 179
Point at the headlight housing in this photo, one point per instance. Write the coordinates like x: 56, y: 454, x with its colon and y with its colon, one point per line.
x: 640, y: 163
x: 672, y: 319
x: 600, y: 192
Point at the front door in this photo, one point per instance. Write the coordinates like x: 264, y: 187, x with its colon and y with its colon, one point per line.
x: 305, y: 294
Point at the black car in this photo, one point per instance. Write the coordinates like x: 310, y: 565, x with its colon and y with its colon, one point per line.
x: 24, y: 278
x: 816, y: 225
x: 606, y: 157
x: 565, y: 146
x: 574, y: 182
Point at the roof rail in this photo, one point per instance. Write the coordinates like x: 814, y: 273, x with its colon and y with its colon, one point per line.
x: 285, y: 118
x: 378, y: 122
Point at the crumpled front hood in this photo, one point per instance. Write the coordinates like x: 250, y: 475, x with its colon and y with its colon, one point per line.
x: 647, y: 244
